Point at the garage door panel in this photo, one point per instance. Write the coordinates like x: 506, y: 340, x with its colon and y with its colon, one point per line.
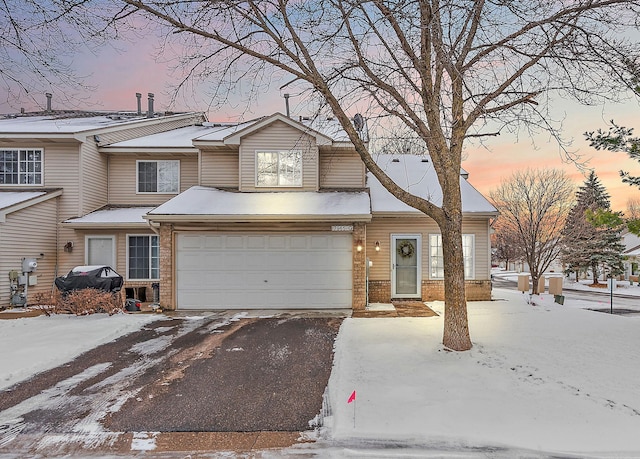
x: 264, y: 271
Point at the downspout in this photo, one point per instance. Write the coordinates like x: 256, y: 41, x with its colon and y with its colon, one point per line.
x: 156, y: 230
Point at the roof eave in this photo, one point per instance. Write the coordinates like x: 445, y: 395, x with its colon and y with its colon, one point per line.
x: 103, y: 225
x: 257, y: 218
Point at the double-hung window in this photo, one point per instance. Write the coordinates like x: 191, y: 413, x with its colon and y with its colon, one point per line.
x: 436, y: 258
x: 143, y: 257
x: 278, y: 168
x: 158, y: 176
x: 21, y: 166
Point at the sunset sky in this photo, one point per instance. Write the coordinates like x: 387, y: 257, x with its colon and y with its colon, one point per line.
x: 118, y: 75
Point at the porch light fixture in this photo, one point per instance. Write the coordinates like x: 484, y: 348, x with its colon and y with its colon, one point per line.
x: 377, y: 246
x: 359, y: 246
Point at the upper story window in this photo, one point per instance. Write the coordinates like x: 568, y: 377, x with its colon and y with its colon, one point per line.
x: 278, y: 168
x: 158, y: 176
x: 21, y: 166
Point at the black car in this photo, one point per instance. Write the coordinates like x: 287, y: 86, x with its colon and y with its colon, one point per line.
x: 100, y: 277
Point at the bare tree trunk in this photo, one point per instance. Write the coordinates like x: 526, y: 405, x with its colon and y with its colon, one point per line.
x: 456, y: 324
x: 534, y: 283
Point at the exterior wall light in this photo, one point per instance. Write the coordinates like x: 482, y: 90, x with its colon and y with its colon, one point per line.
x: 377, y: 246
x: 359, y: 246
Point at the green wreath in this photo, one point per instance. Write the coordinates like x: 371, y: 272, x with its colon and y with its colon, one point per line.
x: 406, y: 249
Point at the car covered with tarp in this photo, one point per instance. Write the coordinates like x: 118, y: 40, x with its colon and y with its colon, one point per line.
x: 100, y: 277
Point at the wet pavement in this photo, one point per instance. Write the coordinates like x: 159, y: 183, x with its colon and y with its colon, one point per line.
x: 215, y: 382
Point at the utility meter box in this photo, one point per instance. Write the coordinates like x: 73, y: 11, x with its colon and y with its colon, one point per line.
x: 29, y: 265
x: 555, y: 285
x: 523, y: 282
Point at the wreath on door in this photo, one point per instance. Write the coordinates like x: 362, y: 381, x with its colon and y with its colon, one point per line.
x: 406, y: 249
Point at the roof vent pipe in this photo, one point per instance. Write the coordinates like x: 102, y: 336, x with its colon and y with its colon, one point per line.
x: 150, y: 112
x: 49, y: 96
x: 139, y: 97
x: 286, y: 103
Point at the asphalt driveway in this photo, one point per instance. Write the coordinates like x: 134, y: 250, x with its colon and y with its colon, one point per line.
x: 213, y: 374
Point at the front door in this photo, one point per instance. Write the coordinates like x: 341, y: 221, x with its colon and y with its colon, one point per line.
x: 405, y: 269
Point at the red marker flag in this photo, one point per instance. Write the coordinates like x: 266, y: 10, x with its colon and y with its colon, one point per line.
x: 352, y: 397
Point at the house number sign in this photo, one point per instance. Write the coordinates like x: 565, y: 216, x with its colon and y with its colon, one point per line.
x: 342, y: 228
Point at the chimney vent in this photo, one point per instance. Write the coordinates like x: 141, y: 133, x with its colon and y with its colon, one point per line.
x: 49, y: 96
x: 150, y: 112
x: 139, y: 97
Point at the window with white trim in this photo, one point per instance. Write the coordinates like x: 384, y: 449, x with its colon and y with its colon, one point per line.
x: 278, y: 168
x: 436, y: 258
x: 158, y: 176
x: 21, y: 166
x: 143, y: 257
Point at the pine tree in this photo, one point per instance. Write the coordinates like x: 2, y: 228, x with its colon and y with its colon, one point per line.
x: 592, y: 233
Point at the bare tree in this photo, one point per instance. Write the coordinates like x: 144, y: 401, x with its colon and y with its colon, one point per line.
x: 505, y: 243
x: 448, y: 70
x: 533, y: 206
x: 37, y: 41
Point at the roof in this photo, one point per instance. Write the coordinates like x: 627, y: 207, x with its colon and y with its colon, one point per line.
x: 12, y: 201
x: 10, y: 198
x: 184, y: 136
x: 115, y: 216
x: 416, y: 175
x: 65, y: 124
x: 200, y: 203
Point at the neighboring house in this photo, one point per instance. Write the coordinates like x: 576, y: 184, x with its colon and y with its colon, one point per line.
x: 52, y: 170
x: 632, y: 256
x: 270, y: 213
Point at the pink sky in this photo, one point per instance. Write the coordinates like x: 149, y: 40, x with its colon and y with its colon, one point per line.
x: 118, y: 75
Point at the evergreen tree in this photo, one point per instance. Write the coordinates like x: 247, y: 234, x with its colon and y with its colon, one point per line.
x: 591, y: 236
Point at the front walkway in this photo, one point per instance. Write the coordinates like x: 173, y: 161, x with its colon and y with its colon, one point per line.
x: 396, y: 309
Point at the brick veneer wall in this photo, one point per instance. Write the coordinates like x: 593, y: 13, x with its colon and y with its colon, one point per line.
x: 359, y: 268
x: 166, y: 266
x: 380, y: 291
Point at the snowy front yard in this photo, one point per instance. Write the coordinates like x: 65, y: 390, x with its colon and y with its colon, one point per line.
x: 547, y: 378
x: 550, y: 378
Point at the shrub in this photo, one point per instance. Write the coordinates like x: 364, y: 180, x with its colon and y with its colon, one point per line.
x: 79, y: 302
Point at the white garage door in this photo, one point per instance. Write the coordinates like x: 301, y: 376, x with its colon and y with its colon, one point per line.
x: 280, y: 271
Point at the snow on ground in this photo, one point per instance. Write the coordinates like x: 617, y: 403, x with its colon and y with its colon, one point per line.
x: 33, y: 345
x: 540, y: 381
x: 621, y: 287
x: 539, y: 378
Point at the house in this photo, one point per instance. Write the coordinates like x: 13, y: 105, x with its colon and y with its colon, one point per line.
x: 269, y: 213
x: 631, y: 255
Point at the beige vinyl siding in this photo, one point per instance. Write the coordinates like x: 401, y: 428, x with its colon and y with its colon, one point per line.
x: 27, y: 233
x: 381, y: 229
x: 93, y: 178
x: 219, y: 168
x: 62, y: 169
x: 123, y: 178
x: 341, y: 169
x: 275, y: 137
x: 153, y: 127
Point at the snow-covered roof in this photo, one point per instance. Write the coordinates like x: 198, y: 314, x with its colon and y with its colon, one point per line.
x: 12, y: 201
x: 184, y: 137
x: 11, y: 198
x: 69, y: 124
x: 51, y: 124
x: 204, y: 203
x: 118, y: 216
x: 217, y: 132
x: 417, y: 175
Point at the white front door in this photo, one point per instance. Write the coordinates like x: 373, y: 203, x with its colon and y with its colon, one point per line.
x: 406, y: 266
x: 100, y: 250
